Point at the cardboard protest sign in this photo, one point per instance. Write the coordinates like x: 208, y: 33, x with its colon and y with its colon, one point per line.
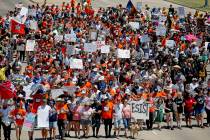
x: 145, y: 38
x: 161, y: 30
x: 93, y: 35
x: 69, y: 38
x: 76, y: 63
x: 90, y: 47
x: 140, y: 109
x: 29, y: 122
x: 56, y: 92
x: 123, y: 53
x: 58, y: 38
x: 181, y: 12
x: 98, y: 44
x: 170, y: 43
x: 105, y: 49
x: 134, y: 25
x: 30, y: 45
x: 43, y: 117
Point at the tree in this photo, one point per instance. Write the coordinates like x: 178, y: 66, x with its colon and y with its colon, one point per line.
x: 206, y: 3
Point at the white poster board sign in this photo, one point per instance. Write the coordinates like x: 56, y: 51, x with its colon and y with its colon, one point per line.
x: 90, y: 47
x: 139, y: 6
x: 69, y: 38
x: 140, y: 109
x: 105, y: 49
x: 123, y: 53
x: 56, y: 92
x: 181, y: 12
x: 170, y: 43
x: 76, y: 63
x: 98, y: 44
x: 145, y: 38
x: 134, y: 25
x: 58, y: 38
x: 30, y: 45
x: 33, y: 25
x: 161, y: 30
x: 43, y: 117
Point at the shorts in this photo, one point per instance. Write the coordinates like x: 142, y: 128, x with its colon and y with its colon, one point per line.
x: 96, y: 123
x: 126, y: 123
x: 188, y: 113
x: 53, y: 124
x: 85, y: 122
x: 118, y: 123
x: 199, y: 111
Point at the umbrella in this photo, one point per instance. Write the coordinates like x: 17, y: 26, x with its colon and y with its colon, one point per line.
x: 7, y: 90
x: 191, y: 37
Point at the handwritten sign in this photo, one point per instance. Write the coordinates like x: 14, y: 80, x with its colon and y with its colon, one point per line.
x: 134, y: 25
x: 93, y: 35
x: 161, y: 30
x: 33, y: 25
x: 90, y: 47
x: 145, y: 38
x: 123, y: 53
x: 139, y: 6
x: 181, y: 12
x: 58, y: 38
x: 105, y: 49
x: 30, y: 45
x: 170, y: 43
x: 29, y: 121
x: 140, y: 109
x: 43, y: 117
x: 76, y: 63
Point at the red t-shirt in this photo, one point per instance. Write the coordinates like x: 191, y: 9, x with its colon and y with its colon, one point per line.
x: 37, y: 101
x: 189, y: 104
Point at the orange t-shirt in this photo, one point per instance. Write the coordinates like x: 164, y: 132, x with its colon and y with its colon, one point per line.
x: 62, y: 108
x: 18, y: 114
x: 107, y: 110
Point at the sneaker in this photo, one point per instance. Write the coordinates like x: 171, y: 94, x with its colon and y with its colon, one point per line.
x: 172, y: 128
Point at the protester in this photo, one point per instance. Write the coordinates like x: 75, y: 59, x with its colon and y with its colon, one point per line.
x: 52, y: 120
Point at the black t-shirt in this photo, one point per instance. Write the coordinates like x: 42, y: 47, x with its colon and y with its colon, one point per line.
x: 200, y: 101
x: 97, y: 108
x: 179, y: 103
x: 169, y: 105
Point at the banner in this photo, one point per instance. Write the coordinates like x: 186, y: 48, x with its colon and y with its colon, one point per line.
x: 29, y: 122
x: 134, y: 25
x: 105, y: 49
x: 90, y: 47
x: 30, y: 44
x: 17, y: 27
x: 140, y: 109
x: 76, y: 63
x: 43, y: 117
x: 123, y: 53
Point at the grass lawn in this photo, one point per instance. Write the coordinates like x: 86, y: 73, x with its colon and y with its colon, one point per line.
x: 196, y: 4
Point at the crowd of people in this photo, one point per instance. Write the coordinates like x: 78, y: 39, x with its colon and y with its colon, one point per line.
x: 170, y: 77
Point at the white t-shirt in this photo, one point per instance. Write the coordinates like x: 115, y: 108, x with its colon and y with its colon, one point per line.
x: 43, y: 116
x: 118, y: 111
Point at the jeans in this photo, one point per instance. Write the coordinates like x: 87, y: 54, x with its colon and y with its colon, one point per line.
x: 108, y: 123
x: 61, y: 128
x: 7, y: 131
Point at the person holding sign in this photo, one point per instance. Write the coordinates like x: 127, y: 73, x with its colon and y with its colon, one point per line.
x: 18, y: 115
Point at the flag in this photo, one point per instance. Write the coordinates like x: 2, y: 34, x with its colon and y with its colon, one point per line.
x: 17, y: 27
x: 131, y: 8
x: 7, y: 90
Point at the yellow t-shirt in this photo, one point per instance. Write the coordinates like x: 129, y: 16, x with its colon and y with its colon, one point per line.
x: 2, y: 73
